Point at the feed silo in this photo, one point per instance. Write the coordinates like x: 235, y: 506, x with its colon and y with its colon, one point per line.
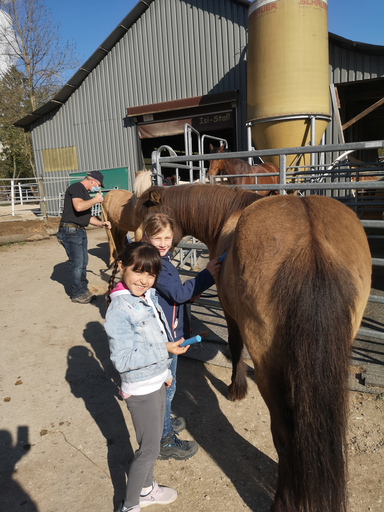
x: 287, y: 82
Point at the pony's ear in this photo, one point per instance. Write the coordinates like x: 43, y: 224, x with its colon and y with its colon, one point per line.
x: 136, y: 173
x: 221, y: 148
x: 154, y: 197
x: 211, y: 148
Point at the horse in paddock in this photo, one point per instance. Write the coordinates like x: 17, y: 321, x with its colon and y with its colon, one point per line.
x: 118, y: 206
x: 293, y: 287
x: 238, y: 166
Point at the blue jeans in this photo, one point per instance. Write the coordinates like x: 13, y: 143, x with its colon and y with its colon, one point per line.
x: 74, y: 241
x: 169, y: 394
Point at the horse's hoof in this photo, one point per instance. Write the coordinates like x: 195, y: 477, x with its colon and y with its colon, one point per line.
x: 234, y: 393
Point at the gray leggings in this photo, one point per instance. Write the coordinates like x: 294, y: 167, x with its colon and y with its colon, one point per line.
x: 147, y: 413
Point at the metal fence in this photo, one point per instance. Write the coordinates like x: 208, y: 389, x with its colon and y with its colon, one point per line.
x: 37, y: 191
x: 358, y: 185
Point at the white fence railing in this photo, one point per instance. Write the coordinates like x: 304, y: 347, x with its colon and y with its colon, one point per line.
x: 21, y: 191
x: 44, y: 191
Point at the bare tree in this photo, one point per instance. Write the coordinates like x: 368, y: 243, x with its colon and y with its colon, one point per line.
x: 35, y: 48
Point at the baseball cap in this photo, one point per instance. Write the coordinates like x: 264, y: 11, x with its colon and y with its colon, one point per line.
x: 97, y: 176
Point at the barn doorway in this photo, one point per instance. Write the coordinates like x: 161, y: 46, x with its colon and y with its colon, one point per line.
x: 163, y: 124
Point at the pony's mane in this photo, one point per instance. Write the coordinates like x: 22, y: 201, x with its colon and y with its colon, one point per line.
x: 225, y: 150
x: 143, y: 181
x: 198, y: 209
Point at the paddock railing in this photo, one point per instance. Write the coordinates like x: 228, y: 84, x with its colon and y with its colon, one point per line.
x: 42, y: 191
x: 360, y: 186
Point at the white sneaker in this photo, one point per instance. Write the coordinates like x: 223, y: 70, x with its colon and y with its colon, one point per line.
x: 159, y: 495
x: 132, y: 509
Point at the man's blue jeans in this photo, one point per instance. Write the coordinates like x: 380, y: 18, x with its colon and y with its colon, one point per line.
x: 74, y: 241
x: 169, y: 394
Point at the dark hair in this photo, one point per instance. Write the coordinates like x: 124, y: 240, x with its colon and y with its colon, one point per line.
x: 142, y: 256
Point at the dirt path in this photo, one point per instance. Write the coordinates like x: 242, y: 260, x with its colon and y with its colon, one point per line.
x: 65, y: 434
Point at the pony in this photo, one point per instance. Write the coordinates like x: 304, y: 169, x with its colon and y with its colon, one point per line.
x: 238, y: 166
x: 293, y: 286
x: 118, y: 207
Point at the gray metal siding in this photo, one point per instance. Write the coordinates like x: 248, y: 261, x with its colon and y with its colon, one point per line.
x: 349, y: 66
x: 176, y: 49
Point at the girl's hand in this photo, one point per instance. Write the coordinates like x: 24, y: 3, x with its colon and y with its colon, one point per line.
x: 194, y: 299
x: 174, y: 348
x: 213, y: 266
x: 168, y: 383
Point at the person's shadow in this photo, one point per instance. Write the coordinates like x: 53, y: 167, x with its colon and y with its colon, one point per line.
x: 60, y: 274
x: 92, y: 380
x: 12, y: 495
x: 253, y: 473
x: 101, y: 251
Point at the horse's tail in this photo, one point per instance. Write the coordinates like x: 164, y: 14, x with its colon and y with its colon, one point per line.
x: 315, y: 298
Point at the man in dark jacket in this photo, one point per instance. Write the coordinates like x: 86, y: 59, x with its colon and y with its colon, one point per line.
x: 72, y: 234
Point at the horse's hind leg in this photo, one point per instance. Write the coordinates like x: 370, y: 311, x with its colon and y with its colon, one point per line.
x: 112, y: 251
x: 238, y: 387
x: 120, y: 240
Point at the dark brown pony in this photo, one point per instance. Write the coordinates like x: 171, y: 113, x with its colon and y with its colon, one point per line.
x: 293, y: 286
x: 238, y: 166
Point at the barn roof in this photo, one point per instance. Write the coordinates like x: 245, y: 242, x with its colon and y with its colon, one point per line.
x: 118, y: 33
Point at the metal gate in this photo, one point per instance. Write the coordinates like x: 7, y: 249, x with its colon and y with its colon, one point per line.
x: 330, y: 173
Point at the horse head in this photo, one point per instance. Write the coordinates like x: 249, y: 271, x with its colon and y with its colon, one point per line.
x: 153, y: 200
x: 216, y: 166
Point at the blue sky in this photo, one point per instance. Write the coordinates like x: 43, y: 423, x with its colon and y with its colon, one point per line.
x: 88, y: 23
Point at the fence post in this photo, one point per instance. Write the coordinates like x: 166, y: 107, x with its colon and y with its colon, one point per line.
x: 13, y: 197
x: 20, y: 193
x: 282, y: 172
x: 42, y: 198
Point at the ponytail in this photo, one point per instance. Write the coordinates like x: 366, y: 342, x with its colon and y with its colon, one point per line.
x: 112, y: 282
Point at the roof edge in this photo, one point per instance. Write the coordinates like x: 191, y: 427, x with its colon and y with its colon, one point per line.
x: 118, y: 33
x: 89, y: 65
x: 355, y: 46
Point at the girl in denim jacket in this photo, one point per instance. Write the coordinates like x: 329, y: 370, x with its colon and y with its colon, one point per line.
x: 139, y: 341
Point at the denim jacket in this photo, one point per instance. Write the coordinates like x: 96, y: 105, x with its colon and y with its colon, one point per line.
x: 136, y: 342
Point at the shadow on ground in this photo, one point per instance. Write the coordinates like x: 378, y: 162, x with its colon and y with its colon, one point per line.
x: 251, y: 472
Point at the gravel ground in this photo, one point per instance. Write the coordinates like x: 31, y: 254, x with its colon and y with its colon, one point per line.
x: 67, y: 439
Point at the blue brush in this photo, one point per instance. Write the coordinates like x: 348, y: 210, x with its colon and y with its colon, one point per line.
x: 222, y: 257
x: 190, y: 341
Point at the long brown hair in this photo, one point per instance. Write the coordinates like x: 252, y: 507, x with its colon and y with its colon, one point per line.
x: 142, y: 256
x: 156, y: 222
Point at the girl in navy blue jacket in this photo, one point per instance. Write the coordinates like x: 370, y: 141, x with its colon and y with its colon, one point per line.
x: 173, y: 295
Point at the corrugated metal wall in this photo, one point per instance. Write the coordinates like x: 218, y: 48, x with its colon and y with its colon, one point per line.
x: 177, y: 49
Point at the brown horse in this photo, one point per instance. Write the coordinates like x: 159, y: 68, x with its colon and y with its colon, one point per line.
x: 118, y: 206
x: 238, y: 166
x: 293, y: 286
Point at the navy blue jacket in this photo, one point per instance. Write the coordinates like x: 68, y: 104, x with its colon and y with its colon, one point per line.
x: 171, y: 291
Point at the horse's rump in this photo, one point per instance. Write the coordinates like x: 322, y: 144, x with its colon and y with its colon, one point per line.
x: 309, y: 294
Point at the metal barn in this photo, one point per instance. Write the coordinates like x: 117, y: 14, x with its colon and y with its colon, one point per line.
x: 172, y: 62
